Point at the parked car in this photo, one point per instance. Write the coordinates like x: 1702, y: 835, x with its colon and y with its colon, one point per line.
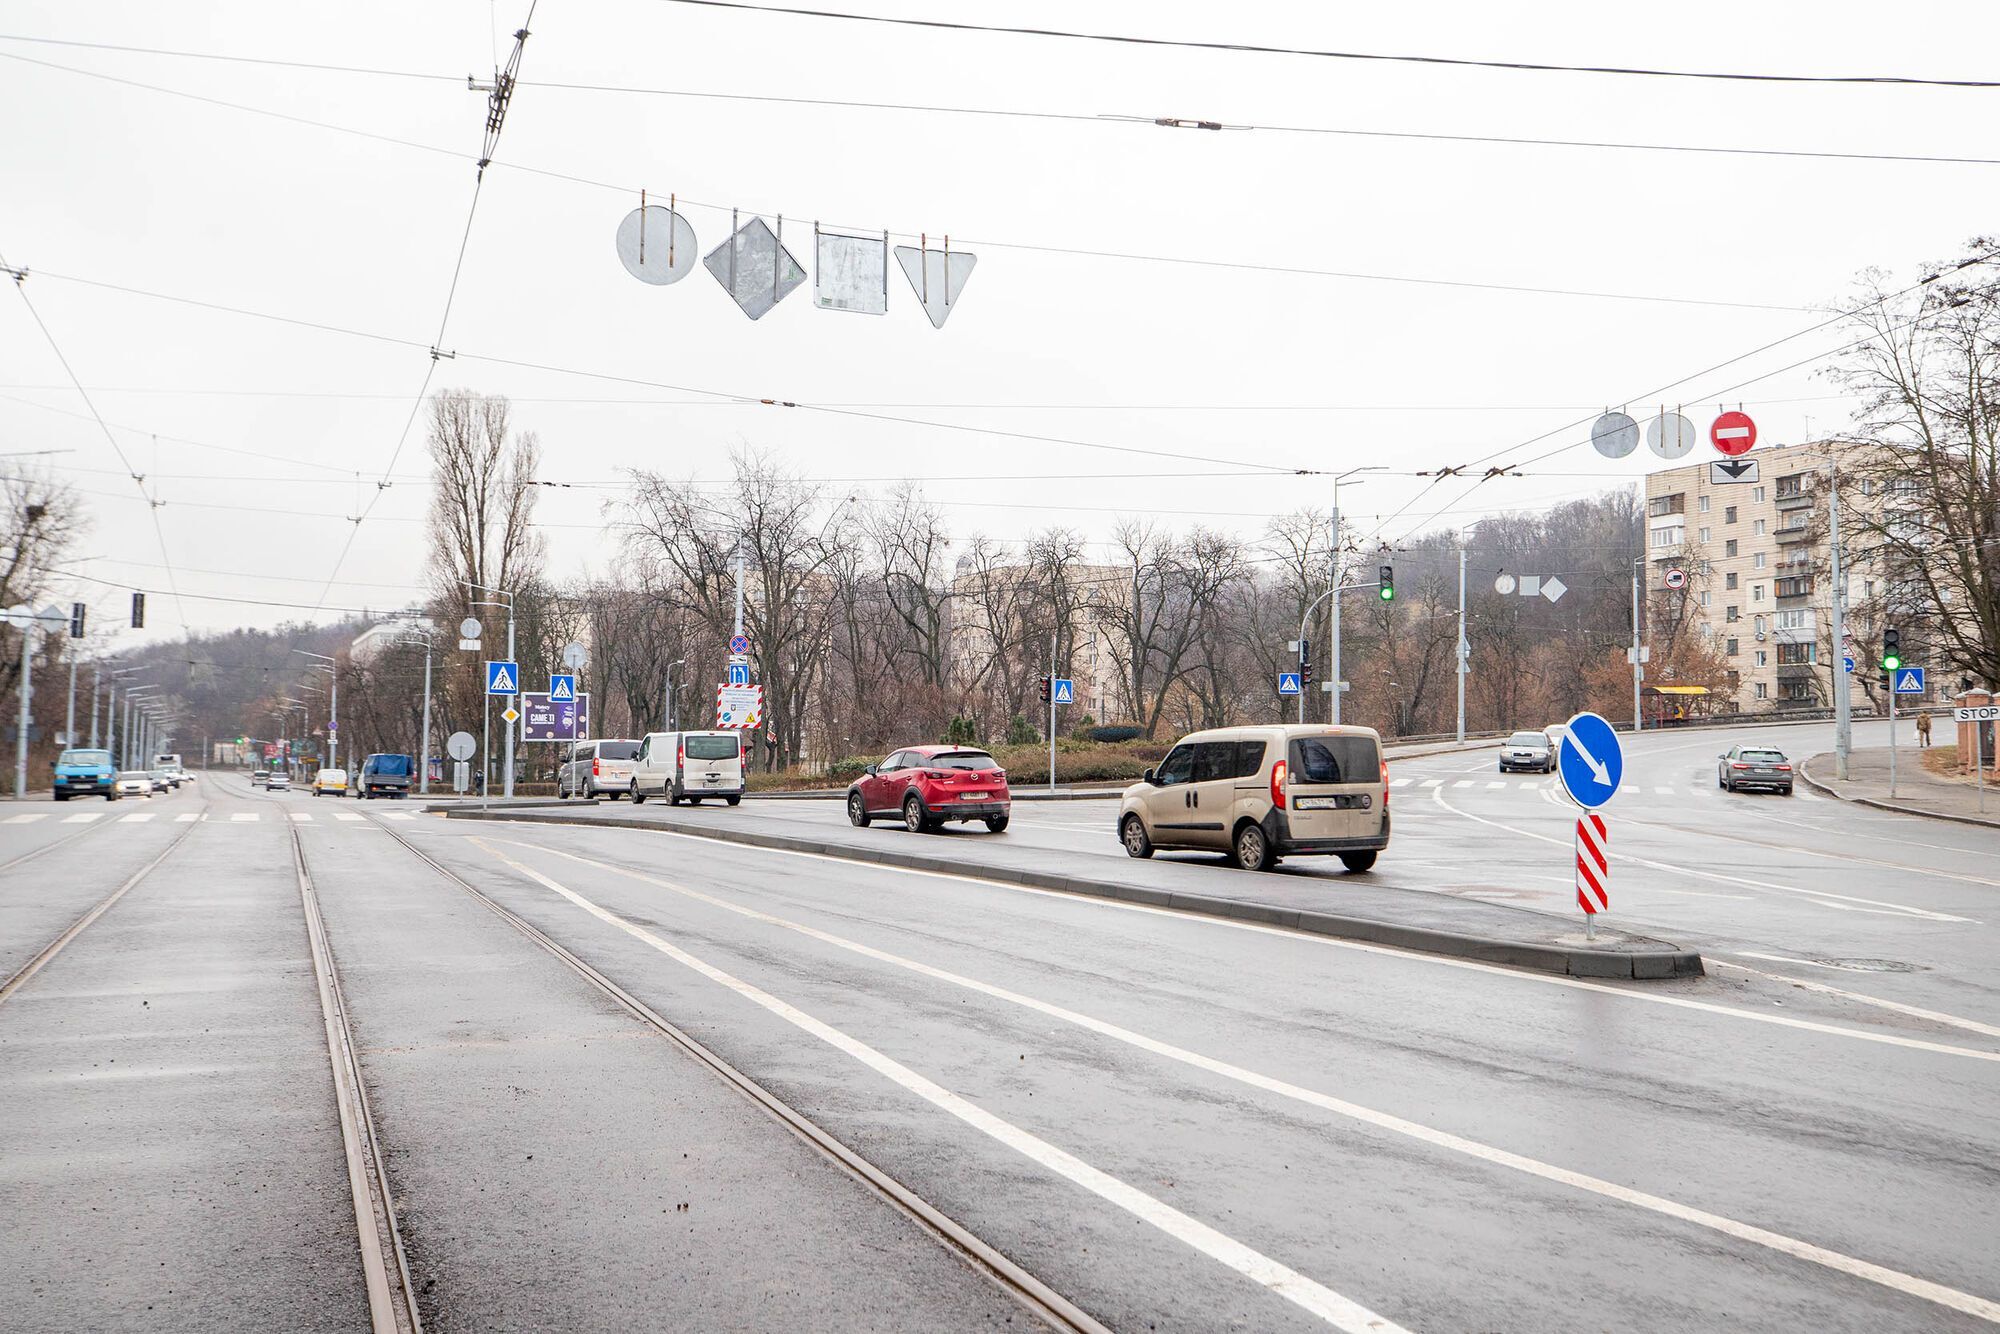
x: 601, y: 768
x: 258, y: 777
x: 85, y: 773
x: 1530, y: 752
x: 385, y: 776
x: 135, y: 783
x: 1753, y: 766
x: 688, y: 766
x: 330, y: 780
x: 927, y: 786
x: 1262, y: 793
x: 279, y: 781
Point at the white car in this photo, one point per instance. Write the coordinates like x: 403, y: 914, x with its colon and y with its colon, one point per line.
x: 278, y: 782
x: 135, y: 783
x: 689, y: 766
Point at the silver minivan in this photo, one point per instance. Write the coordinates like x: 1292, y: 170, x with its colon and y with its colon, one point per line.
x: 689, y: 766
x: 601, y: 768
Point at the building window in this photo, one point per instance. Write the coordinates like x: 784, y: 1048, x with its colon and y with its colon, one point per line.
x: 1868, y: 590
x: 1704, y: 602
x: 1729, y: 514
x: 1674, y: 504
x: 1793, y: 655
x: 1729, y: 580
x: 1757, y: 496
x: 1704, y: 535
x: 1756, y: 592
x: 1761, y: 690
x: 1760, y: 624
x: 1798, y: 690
x: 1729, y: 547
x: 1703, y: 505
x: 1757, y: 561
x: 1797, y: 618
x: 1794, y: 521
x: 1757, y: 528
x: 1795, y: 587
x: 1761, y: 658
x: 1669, y: 537
x: 1791, y: 486
x: 1729, y: 613
x: 1730, y: 647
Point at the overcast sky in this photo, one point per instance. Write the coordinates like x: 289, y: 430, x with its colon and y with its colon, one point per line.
x: 114, y: 184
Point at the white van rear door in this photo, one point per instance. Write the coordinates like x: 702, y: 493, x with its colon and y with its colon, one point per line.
x: 712, y: 762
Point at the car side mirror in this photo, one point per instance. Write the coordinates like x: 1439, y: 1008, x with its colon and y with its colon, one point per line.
x: 871, y: 771
x: 1149, y: 778
x: 1723, y: 756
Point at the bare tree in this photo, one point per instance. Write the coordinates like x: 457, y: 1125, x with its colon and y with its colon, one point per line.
x: 482, y: 495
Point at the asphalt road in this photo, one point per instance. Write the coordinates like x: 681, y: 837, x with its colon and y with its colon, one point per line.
x: 1174, y: 1122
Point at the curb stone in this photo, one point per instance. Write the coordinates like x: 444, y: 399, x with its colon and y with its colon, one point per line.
x: 1663, y: 961
x: 1824, y: 790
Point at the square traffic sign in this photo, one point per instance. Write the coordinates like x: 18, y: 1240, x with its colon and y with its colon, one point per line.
x: 502, y: 678
x: 1909, y: 680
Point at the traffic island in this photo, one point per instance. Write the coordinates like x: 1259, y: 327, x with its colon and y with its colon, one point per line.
x: 1349, y: 907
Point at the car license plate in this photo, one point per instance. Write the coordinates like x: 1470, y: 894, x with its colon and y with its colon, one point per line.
x: 972, y: 796
x: 1361, y: 802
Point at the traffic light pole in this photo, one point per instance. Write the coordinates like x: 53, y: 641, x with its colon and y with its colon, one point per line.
x: 1052, y: 710
x: 1843, y: 709
x: 1892, y: 734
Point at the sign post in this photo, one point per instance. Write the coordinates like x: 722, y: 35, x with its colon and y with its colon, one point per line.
x: 501, y: 678
x: 1590, y: 765
x: 1978, y: 715
x: 1902, y: 681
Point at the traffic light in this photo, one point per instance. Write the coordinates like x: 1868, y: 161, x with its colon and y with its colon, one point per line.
x: 76, y: 611
x: 1042, y: 685
x: 1388, y: 582
x: 138, y: 611
x: 1892, y: 649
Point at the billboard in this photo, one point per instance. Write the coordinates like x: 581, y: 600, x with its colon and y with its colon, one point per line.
x: 544, y: 721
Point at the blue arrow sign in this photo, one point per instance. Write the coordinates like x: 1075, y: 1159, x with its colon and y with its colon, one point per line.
x: 562, y: 690
x: 739, y: 673
x: 1589, y: 760
x: 1288, y: 683
x: 502, y: 678
x: 1909, y: 680
x: 1847, y: 662
x: 1065, y: 691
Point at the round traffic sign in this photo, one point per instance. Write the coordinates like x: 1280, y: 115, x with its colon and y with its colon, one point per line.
x: 739, y: 643
x: 1504, y: 583
x: 468, y: 628
x: 1615, y: 435
x: 1733, y: 433
x: 575, y: 655
x: 461, y: 745
x: 1677, y: 578
x: 1670, y: 435
x: 1589, y: 761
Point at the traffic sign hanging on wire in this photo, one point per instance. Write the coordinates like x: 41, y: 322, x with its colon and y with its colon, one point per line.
x: 1590, y: 763
x: 1733, y: 433
x: 1670, y: 435
x: 1721, y: 472
x: 1615, y: 435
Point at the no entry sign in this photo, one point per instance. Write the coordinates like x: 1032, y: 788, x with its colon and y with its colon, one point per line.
x: 1733, y: 433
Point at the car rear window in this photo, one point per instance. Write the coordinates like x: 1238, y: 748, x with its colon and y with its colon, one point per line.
x: 1335, y: 759
x: 962, y: 759
x: 1764, y: 756
x: 617, y: 750
x: 85, y: 757
x: 1527, y: 739
x: 712, y: 747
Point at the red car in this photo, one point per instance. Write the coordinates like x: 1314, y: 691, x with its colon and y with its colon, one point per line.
x: 925, y: 786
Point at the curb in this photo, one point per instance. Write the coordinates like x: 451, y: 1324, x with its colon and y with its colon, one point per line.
x: 1821, y: 788
x: 1645, y: 965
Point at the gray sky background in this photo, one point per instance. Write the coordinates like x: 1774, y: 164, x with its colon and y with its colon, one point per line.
x: 115, y: 184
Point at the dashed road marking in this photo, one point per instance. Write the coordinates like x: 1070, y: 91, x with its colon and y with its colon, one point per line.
x: 397, y: 815
x: 244, y: 817
x: 1495, y: 787
x: 186, y: 817
x: 1431, y: 782
x: 347, y: 815
x: 1463, y: 782
x: 1399, y: 782
x: 137, y: 817
x: 83, y: 817
x: 303, y: 817
x: 28, y: 818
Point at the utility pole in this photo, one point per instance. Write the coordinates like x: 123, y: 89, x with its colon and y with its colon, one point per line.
x: 1638, y: 667
x: 1464, y: 650
x: 21, y: 727
x: 96, y: 689
x: 1052, y: 710
x: 1843, y: 709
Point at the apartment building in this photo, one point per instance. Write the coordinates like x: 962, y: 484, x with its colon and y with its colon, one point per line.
x: 1756, y: 558
x: 978, y: 597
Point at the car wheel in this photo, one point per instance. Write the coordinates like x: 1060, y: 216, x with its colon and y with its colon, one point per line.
x: 1253, y: 850
x: 638, y: 797
x: 694, y: 801
x: 733, y: 801
x: 996, y: 824
x: 857, y: 811
x: 62, y: 796
x: 913, y: 815
x: 1132, y: 833
x: 1785, y: 791
x: 1357, y: 862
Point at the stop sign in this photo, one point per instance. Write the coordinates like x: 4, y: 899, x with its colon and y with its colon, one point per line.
x: 1733, y: 433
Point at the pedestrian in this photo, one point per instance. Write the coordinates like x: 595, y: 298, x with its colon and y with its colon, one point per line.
x: 1923, y: 729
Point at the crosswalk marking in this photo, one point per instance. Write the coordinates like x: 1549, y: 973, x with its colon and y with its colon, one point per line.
x: 1631, y: 788
x: 28, y: 817
x: 302, y: 816
x: 1495, y: 787
x: 243, y: 817
x: 1432, y: 782
x: 186, y: 817
x: 1527, y: 787
x: 1463, y: 782
x: 82, y: 817
x: 1663, y: 792
x: 346, y: 815
x: 398, y: 815
x: 1399, y: 782
x: 138, y: 818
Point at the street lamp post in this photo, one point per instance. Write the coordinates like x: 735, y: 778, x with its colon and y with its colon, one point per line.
x: 333, y: 709
x: 423, y: 636
x: 673, y: 689
x: 1334, y: 613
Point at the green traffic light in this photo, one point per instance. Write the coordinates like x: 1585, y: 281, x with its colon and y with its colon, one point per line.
x: 1388, y: 595
x: 1890, y: 662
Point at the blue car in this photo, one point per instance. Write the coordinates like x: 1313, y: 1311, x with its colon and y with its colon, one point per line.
x: 86, y: 773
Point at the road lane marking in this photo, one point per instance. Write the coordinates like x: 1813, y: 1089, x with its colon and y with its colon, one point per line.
x: 1463, y: 782
x: 397, y: 815
x: 83, y: 817
x: 1935, y: 1016
x: 302, y: 816
x: 1825, y: 898
x: 1856, y: 858
x: 244, y: 817
x: 347, y: 815
x: 28, y: 818
x: 137, y: 817
x: 1663, y: 792
x: 1495, y: 786
x: 1630, y: 788
x: 1329, y: 1306
x: 186, y: 817
x: 1803, y: 1250
x: 1430, y: 782
x: 1334, y: 942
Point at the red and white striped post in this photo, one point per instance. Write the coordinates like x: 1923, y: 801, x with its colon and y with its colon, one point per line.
x: 1593, y: 869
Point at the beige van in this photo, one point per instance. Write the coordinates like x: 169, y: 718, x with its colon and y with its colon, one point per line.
x: 1261, y: 793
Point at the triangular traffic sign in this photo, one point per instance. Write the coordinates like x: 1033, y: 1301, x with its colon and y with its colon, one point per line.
x: 560, y: 692
x: 937, y: 277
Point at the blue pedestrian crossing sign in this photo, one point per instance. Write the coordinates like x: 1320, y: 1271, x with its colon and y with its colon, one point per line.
x: 1289, y: 684
x: 502, y: 678
x: 1909, y: 680
x: 1589, y: 761
x: 562, y: 690
x: 739, y: 673
x: 1065, y: 691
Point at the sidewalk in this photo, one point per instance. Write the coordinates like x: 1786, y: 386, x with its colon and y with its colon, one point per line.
x: 1918, y: 791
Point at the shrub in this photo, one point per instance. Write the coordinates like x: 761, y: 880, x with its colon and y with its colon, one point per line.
x: 1110, y: 735
x: 961, y: 732
x: 1020, y: 731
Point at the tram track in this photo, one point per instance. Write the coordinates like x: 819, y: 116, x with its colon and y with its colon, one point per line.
x: 81, y: 924
x: 1042, y: 1301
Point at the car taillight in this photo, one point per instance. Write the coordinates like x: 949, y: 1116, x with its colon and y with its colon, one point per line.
x: 1385, y: 785
x: 1278, y: 785
x: 1784, y: 768
x: 595, y: 770
x: 938, y: 775
x: 1738, y: 764
x: 681, y: 758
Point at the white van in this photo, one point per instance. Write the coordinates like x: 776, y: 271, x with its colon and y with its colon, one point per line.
x: 689, y: 765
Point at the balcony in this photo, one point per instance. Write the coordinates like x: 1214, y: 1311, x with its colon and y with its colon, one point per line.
x: 1793, y: 500
x: 1798, y: 634
x: 1791, y: 536
x: 1797, y: 671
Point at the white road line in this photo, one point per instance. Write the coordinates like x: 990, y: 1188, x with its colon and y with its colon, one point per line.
x: 1495, y: 787
x: 28, y: 817
x: 1527, y: 787
x: 1663, y: 792
x: 1847, y: 1264
x: 1825, y: 898
x: 1430, y: 782
x: 397, y: 815
x: 1329, y: 1306
x: 1926, y: 871
x: 1333, y: 942
x: 1463, y: 782
x: 1399, y: 782
x: 303, y: 817
x: 347, y: 815
x: 1935, y: 1016
x: 186, y: 817
x: 137, y: 817
x: 243, y: 817
x: 83, y: 817
x: 1630, y: 788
